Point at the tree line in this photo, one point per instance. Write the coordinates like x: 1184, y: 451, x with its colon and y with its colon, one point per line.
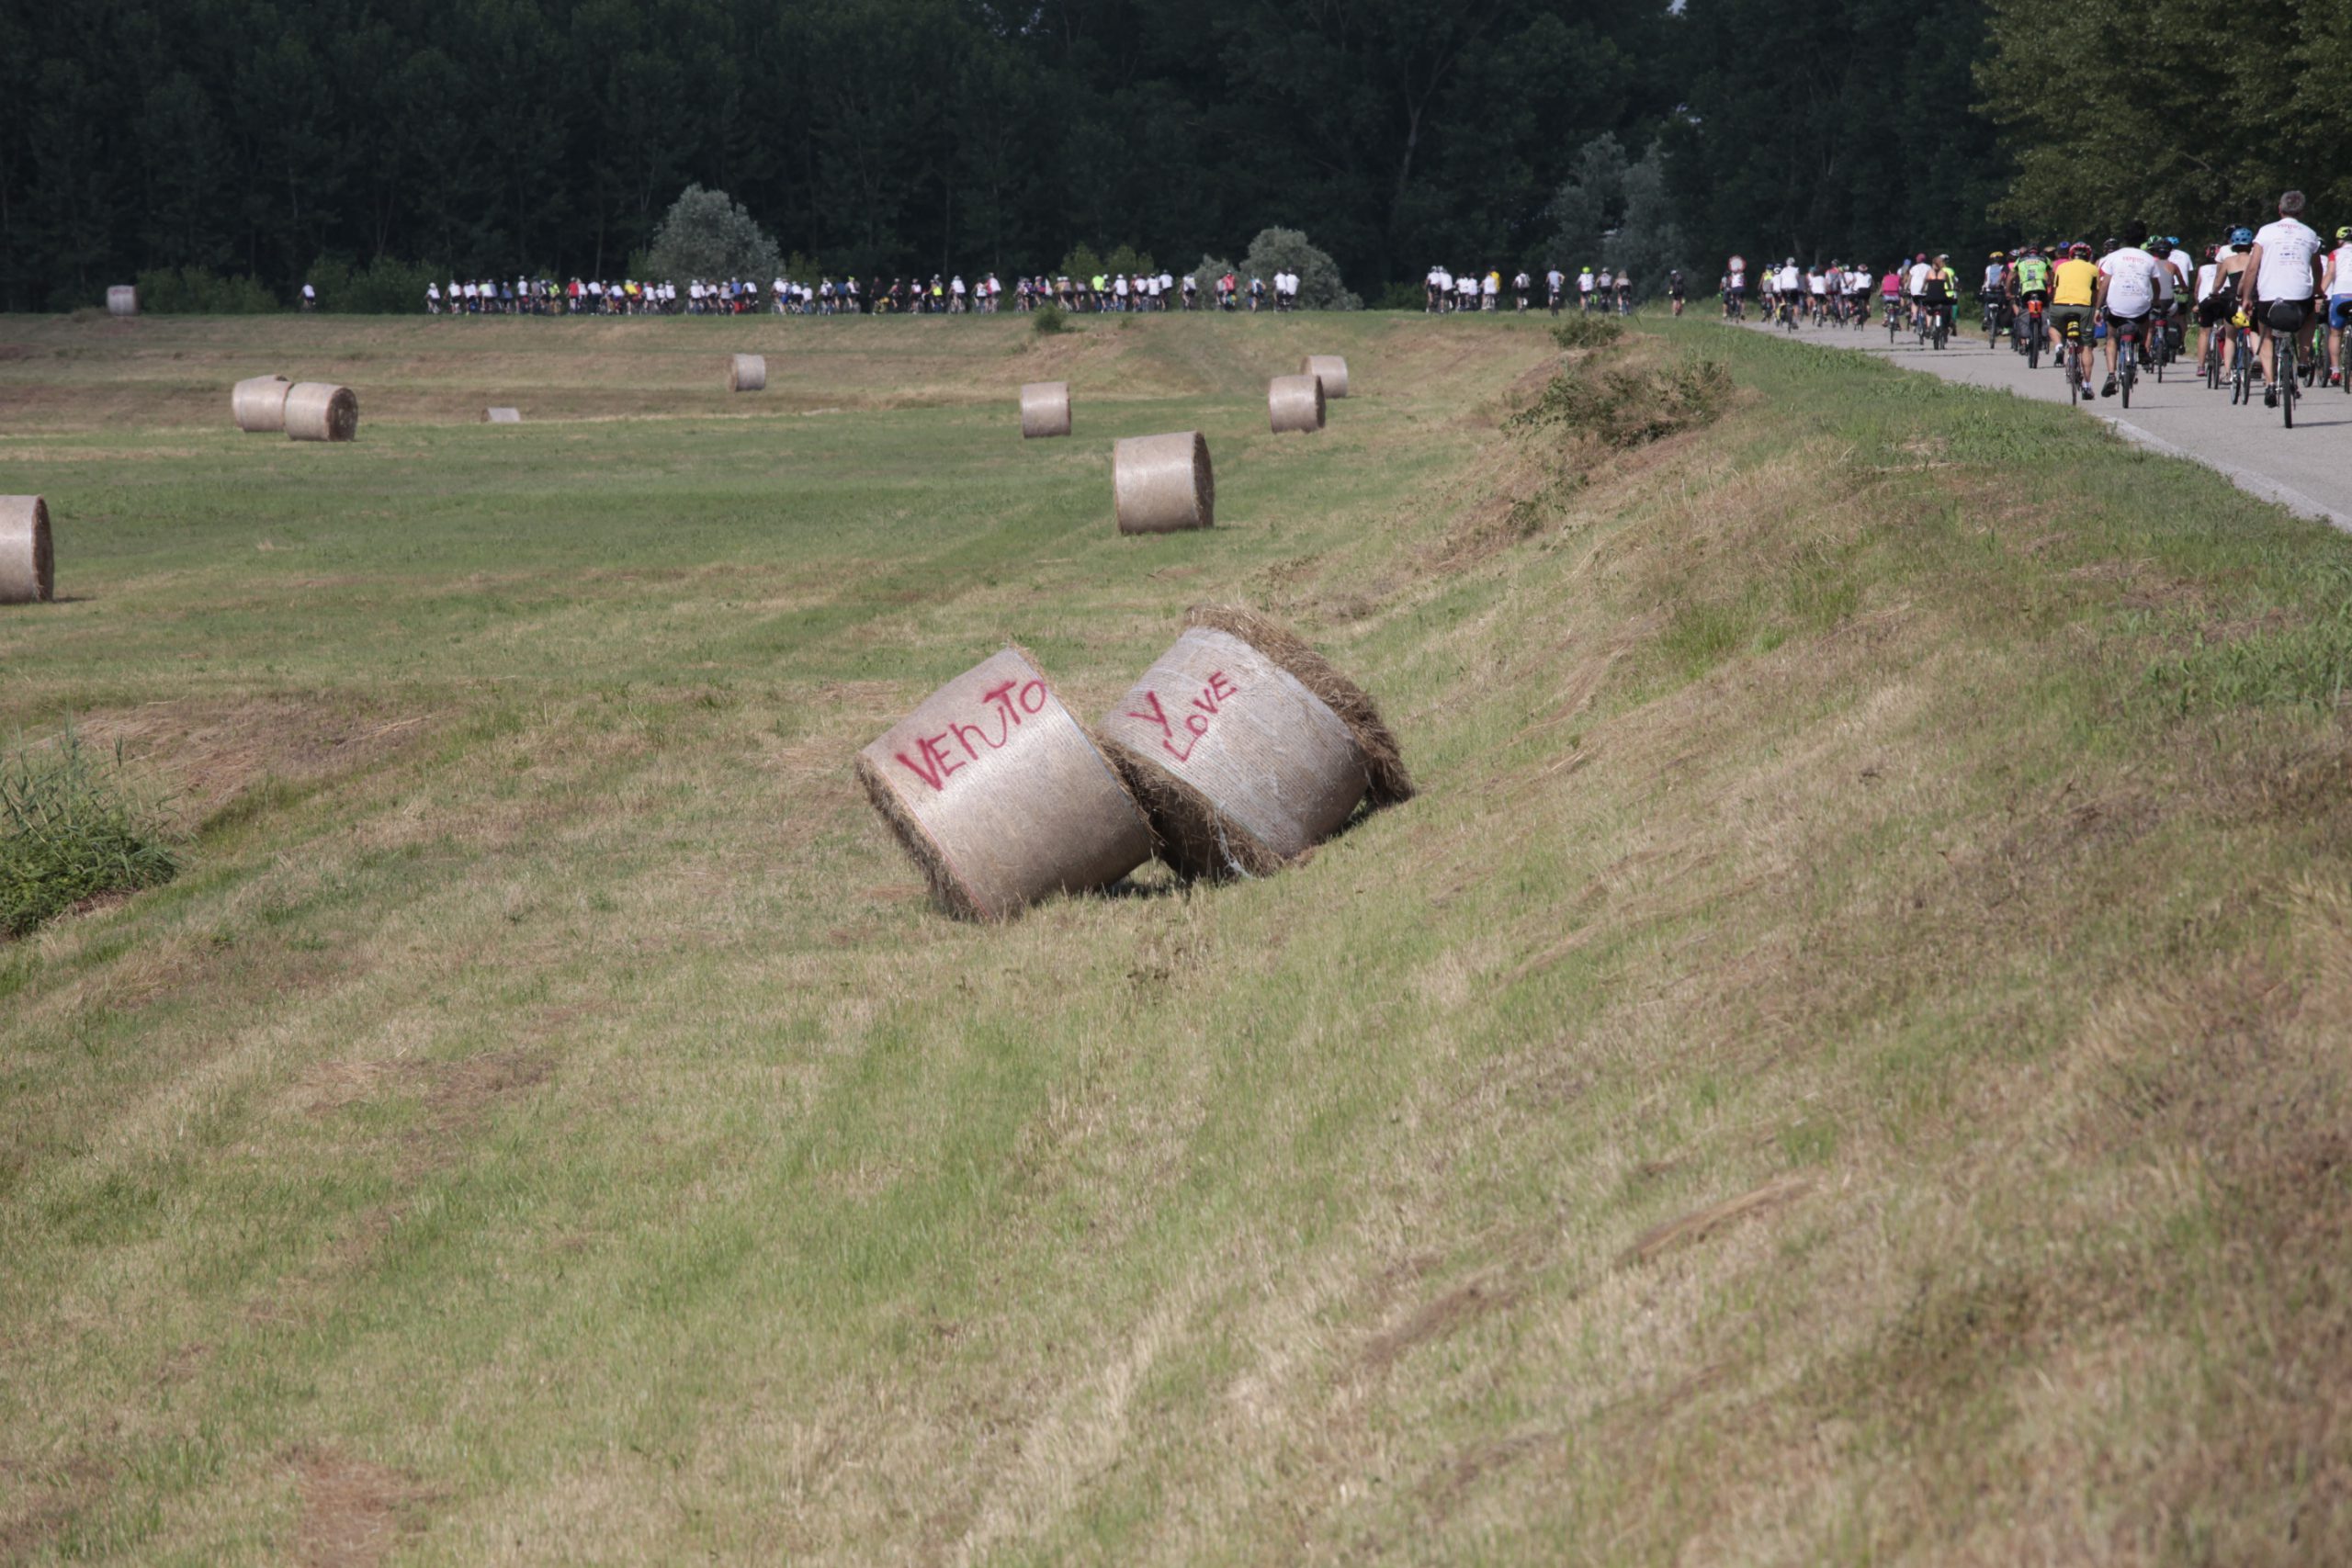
x: 260, y: 140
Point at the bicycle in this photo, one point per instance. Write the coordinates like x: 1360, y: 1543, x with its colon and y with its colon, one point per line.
x: 2283, y: 367
x: 2070, y: 354
x: 2035, y: 330
x: 2127, y: 358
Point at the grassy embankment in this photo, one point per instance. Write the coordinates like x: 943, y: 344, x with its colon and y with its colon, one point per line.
x: 1843, y: 1060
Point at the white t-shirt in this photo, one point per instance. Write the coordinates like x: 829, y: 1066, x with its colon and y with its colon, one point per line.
x: 2340, y: 286
x: 1916, y: 279
x: 1584, y: 282
x: 2183, y: 264
x: 2132, y: 283
x: 1553, y: 280
x: 2205, y: 281
x: 2288, y: 247
x: 1790, y: 280
x: 1739, y: 273
x: 1492, y: 283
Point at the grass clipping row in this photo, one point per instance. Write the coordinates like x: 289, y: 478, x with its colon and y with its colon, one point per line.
x: 1626, y: 406
x: 1000, y: 795
x: 1248, y: 748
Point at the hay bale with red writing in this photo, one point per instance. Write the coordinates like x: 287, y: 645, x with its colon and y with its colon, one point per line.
x: 1000, y: 795
x: 1248, y: 748
x: 1160, y: 484
x: 1045, y: 410
x: 1295, y: 402
x: 27, y: 566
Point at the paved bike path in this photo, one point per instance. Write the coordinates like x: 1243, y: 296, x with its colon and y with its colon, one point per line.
x: 2307, y: 470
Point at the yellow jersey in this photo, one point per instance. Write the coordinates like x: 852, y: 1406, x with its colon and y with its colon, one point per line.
x: 2074, y: 282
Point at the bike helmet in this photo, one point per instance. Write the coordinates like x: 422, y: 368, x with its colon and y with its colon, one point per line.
x: 1998, y: 255
x: 2080, y: 248
x: 2240, y: 237
x: 2344, y: 233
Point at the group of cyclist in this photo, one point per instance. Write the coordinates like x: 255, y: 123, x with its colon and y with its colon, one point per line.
x: 2258, y: 297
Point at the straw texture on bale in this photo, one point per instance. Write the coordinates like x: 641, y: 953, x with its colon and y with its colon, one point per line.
x: 258, y: 405
x: 1045, y: 410
x: 748, y: 373
x: 1000, y: 795
x: 1247, y: 748
x: 28, y: 567
x: 320, y: 411
x: 1295, y: 402
x: 1162, y: 483
x: 505, y: 416
x: 122, y: 299
x: 1333, y: 371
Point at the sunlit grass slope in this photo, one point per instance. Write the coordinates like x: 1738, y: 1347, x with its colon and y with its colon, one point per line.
x: 1843, y: 1061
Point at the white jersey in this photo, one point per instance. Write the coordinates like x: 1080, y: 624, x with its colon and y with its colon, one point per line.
x: 1553, y: 280
x: 2132, y: 288
x: 2288, y: 247
x: 2205, y: 281
x: 1584, y: 283
x: 2339, y: 283
x: 1914, y: 280
x: 1790, y: 280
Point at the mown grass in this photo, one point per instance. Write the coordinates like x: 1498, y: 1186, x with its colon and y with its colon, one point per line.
x: 1840, y: 1063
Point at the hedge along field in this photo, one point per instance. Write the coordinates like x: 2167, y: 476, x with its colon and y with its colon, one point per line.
x: 1834, y: 1062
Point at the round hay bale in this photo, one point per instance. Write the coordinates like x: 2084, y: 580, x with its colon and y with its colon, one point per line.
x: 1045, y: 410
x: 748, y: 373
x: 504, y: 416
x: 122, y: 299
x: 1163, y: 483
x: 27, y: 568
x: 259, y: 404
x: 1331, y: 369
x: 320, y: 411
x: 1295, y: 402
x: 1000, y: 795
x: 1247, y: 748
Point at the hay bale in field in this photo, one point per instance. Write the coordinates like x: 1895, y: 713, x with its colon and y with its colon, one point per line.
x: 1045, y: 410
x: 1331, y: 369
x: 1295, y: 402
x: 1163, y: 483
x: 320, y: 411
x: 504, y: 416
x: 259, y: 404
x: 122, y: 299
x: 748, y: 373
x: 1000, y: 795
x: 1247, y: 748
x: 27, y: 566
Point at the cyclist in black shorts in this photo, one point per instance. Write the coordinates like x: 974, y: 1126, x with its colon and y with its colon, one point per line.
x: 1674, y: 289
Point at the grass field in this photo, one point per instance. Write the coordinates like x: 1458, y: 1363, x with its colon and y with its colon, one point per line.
x: 1843, y: 1061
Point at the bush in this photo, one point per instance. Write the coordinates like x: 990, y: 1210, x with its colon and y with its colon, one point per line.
x: 1624, y: 409
x: 1048, y: 321
x: 1587, y: 332
x: 384, y: 287
x: 69, y: 829
x: 1401, y: 297
x: 198, y: 291
x: 1288, y: 250
x: 707, y: 235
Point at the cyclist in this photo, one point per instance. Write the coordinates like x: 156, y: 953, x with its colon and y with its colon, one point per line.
x: 1890, y: 290
x: 1584, y: 289
x: 2073, y: 290
x: 1734, y: 285
x: 1937, y: 291
x: 2335, y: 282
x: 2028, y: 283
x: 1674, y: 289
x: 1790, y: 287
x: 1993, y: 299
x: 2130, y: 292
x: 1554, y: 283
x: 2285, y: 264
x: 2221, y: 301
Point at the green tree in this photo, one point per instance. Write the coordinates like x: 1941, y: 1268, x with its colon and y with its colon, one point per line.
x: 707, y: 235
x: 1288, y: 250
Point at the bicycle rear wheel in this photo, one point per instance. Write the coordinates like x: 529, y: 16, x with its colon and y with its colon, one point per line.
x: 2287, y: 382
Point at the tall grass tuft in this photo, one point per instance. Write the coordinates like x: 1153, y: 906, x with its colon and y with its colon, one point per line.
x: 1631, y: 407
x: 1050, y: 320
x: 71, y: 828
x: 1587, y: 332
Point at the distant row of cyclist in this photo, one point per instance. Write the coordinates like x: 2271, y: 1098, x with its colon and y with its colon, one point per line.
x: 2253, y: 293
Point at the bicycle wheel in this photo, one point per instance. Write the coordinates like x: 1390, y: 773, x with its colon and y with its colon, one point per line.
x: 2127, y: 372
x: 2033, y: 347
x: 2287, y: 382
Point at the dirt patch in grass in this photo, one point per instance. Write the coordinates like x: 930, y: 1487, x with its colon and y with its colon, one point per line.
x: 1696, y: 1226
x: 354, y: 1513
x: 206, y: 755
x: 1435, y: 1319
x: 47, y: 1501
